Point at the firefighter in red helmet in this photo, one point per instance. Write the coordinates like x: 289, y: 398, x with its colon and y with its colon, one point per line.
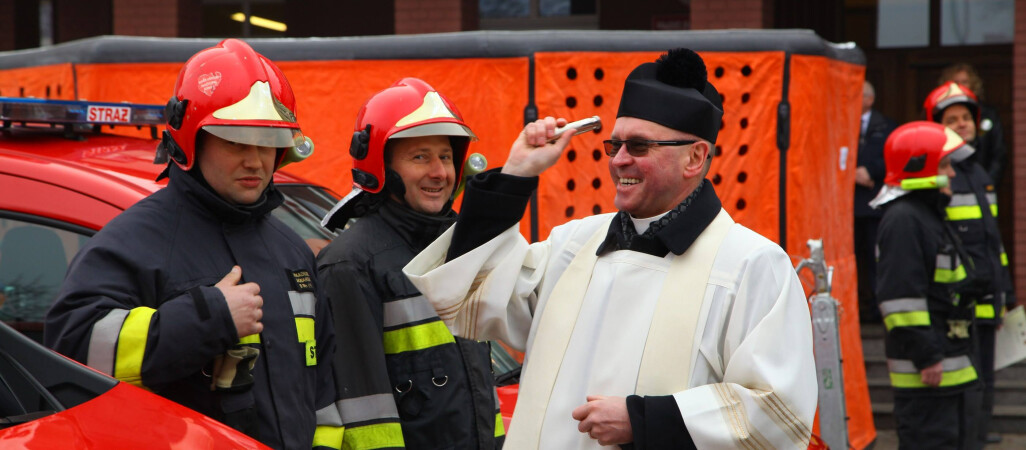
x: 973, y: 214
x: 405, y: 380
x: 196, y: 292
x: 922, y: 271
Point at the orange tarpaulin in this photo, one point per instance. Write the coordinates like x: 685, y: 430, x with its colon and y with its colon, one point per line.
x: 825, y: 99
x: 55, y: 81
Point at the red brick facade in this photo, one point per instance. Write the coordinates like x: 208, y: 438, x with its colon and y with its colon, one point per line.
x: 1018, y: 162
x: 719, y: 14
x: 161, y: 18
x: 435, y: 16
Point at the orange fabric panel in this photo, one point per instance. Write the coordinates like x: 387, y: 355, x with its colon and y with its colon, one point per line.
x: 53, y: 82
x: 825, y: 102
x: 582, y: 84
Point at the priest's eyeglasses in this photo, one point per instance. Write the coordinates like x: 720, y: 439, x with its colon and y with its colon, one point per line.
x: 638, y: 147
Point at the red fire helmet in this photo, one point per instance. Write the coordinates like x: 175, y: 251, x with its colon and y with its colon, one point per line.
x: 408, y: 108
x: 914, y: 150
x: 236, y: 94
x: 948, y: 94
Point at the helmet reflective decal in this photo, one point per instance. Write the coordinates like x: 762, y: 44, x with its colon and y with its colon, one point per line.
x: 432, y: 108
x: 208, y: 82
x: 258, y: 105
x: 954, y: 140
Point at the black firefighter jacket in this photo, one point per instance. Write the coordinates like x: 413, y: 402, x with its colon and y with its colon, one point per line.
x: 972, y: 213
x: 138, y: 303
x: 405, y: 380
x: 921, y: 270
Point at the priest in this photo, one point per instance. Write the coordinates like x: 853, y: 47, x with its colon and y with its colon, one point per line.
x: 663, y: 325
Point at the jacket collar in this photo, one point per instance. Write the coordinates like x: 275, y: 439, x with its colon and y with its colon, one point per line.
x: 675, y: 232
x: 417, y: 229
x: 195, y: 189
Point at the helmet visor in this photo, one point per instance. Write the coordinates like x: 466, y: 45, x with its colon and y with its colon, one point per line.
x: 261, y: 136
x: 436, y: 129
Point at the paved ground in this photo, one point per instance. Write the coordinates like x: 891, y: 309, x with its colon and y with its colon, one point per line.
x: 887, y: 440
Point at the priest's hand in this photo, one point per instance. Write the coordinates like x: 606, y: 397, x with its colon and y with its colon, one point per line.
x: 605, y: 419
x: 532, y: 152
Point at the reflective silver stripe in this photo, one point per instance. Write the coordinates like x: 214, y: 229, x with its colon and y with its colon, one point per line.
x: 963, y: 200
x: 903, y: 305
x: 370, y: 407
x: 947, y: 364
x: 329, y: 416
x: 495, y: 396
x: 103, y: 342
x: 944, y: 262
x: 408, y: 310
x: 303, y: 303
x: 991, y: 198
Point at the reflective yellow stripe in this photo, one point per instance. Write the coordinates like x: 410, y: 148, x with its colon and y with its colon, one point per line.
x: 907, y: 319
x: 915, y: 380
x: 499, y: 429
x: 1004, y: 259
x: 132, y: 345
x: 993, y: 210
x: 949, y: 276
x: 379, y: 435
x: 964, y: 212
x: 328, y: 436
x: 305, y: 329
x: 984, y: 311
x: 307, y: 335
x: 417, y: 337
x: 251, y: 339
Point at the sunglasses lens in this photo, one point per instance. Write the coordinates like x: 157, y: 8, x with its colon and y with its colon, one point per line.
x: 636, y: 149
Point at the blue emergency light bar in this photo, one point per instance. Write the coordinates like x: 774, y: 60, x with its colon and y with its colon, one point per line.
x: 70, y: 112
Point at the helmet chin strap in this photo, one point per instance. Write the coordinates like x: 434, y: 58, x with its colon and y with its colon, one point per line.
x: 394, y: 185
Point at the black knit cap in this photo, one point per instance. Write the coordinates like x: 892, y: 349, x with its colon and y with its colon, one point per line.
x: 674, y: 92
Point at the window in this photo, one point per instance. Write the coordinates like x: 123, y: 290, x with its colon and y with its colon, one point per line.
x: 227, y: 18
x: 907, y: 23
x: 537, y: 14
x: 903, y: 23
x: 33, y: 260
x: 975, y: 22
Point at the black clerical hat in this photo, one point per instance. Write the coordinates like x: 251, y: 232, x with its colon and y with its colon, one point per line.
x: 674, y: 92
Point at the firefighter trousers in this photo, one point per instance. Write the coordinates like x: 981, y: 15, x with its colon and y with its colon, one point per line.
x: 941, y: 421
x: 985, y: 355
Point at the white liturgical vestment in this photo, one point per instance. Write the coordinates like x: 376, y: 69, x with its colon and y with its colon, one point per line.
x: 751, y: 382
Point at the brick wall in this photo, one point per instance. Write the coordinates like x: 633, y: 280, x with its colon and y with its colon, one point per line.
x: 716, y: 14
x: 77, y: 19
x: 435, y: 16
x: 7, y: 26
x: 1018, y: 153
x: 162, y: 18
x: 19, y: 24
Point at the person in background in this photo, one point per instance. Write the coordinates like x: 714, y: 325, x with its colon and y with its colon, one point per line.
x: 869, y: 175
x: 990, y: 137
x: 197, y: 292
x: 405, y: 380
x: 921, y: 272
x: 973, y: 214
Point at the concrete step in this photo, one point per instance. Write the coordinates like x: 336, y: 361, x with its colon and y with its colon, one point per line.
x: 1006, y: 392
x: 1007, y: 419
